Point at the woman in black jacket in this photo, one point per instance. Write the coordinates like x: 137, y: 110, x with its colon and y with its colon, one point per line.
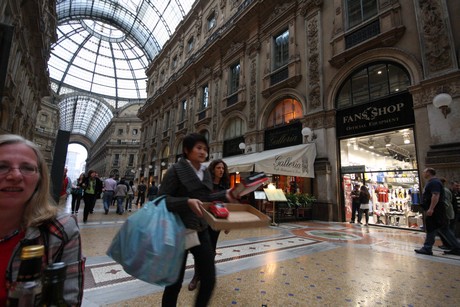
x: 220, y: 182
x: 186, y: 184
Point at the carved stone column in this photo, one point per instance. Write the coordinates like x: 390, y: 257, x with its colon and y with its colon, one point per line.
x: 437, y: 45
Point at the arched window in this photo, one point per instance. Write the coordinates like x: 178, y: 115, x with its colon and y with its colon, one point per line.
x: 372, y: 82
x: 285, y: 111
x: 235, y: 128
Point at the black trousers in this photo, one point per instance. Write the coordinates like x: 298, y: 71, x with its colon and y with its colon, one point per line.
x: 203, y: 255
x: 141, y: 198
x: 90, y: 201
x: 354, y: 211
x: 76, y: 198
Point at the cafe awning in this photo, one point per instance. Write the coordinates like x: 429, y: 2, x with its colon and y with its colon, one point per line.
x: 289, y: 161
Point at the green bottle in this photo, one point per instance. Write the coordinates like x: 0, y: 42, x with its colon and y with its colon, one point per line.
x: 27, y: 289
x: 53, y: 285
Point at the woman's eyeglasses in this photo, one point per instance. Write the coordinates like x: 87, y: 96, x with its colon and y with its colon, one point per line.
x: 26, y: 170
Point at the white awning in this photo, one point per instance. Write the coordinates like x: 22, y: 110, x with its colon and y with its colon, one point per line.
x: 290, y: 161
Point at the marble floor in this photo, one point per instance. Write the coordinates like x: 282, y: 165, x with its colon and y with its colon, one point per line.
x: 293, y: 264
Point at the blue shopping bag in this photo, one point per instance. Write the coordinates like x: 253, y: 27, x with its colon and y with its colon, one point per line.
x: 151, y: 244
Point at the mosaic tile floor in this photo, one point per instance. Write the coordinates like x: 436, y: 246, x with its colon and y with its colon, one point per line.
x: 295, y: 264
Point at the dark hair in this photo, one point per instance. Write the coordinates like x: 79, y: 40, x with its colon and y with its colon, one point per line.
x: 225, y: 180
x: 190, y: 141
x: 364, y: 191
x: 431, y: 171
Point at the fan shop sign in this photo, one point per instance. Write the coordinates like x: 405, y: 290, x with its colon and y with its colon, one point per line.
x: 376, y: 116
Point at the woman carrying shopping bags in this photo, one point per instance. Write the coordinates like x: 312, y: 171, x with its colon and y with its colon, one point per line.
x: 186, y: 184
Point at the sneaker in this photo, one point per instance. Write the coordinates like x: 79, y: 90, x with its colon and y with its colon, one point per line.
x: 423, y: 251
x: 352, y: 222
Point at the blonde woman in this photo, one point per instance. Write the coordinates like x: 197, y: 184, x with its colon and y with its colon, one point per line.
x: 28, y: 215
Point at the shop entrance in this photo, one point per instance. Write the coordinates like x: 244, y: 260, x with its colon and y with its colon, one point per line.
x: 386, y: 163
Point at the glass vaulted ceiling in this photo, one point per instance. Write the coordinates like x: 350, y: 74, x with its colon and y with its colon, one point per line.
x: 104, y: 47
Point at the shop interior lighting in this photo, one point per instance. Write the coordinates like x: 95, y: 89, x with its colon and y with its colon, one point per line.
x: 406, y: 138
x: 371, y: 143
x: 387, y: 141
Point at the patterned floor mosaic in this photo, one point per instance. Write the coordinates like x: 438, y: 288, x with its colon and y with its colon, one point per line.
x: 296, y: 264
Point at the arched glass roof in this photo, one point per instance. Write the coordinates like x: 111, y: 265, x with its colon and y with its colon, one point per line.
x: 103, y: 49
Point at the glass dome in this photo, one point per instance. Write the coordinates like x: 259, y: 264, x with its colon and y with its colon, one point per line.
x: 103, y: 50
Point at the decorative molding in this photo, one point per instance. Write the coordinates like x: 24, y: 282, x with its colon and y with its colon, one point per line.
x: 437, y: 45
x: 313, y: 60
x: 309, y: 5
x: 252, y: 93
x: 233, y: 49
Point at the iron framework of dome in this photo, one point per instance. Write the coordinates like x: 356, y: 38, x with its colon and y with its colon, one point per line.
x: 104, y: 47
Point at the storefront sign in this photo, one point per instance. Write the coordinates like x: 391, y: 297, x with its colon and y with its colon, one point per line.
x: 285, y: 136
x: 353, y: 169
x: 376, y: 116
x: 289, y: 161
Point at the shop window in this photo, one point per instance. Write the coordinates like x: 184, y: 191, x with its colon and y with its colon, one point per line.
x: 383, y: 151
x: 285, y: 111
x: 373, y: 82
x: 386, y: 164
x: 281, y: 49
x: 359, y: 11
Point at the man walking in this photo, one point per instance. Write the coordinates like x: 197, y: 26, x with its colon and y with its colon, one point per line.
x: 141, y: 189
x: 436, y: 218
x: 109, y: 188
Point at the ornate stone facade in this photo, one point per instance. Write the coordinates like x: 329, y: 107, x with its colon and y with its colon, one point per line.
x: 33, y: 26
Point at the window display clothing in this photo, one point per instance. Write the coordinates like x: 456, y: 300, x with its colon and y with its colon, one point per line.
x: 414, y: 195
x: 382, y: 194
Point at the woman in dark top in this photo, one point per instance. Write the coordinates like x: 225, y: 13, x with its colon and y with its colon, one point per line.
x: 364, y: 198
x: 220, y: 182
x: 186, y: 184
